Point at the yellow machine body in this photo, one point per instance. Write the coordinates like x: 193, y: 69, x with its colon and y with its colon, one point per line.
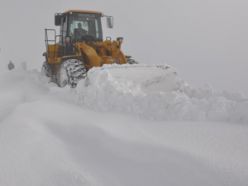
x: 94, y: 54
x: 89, y: 50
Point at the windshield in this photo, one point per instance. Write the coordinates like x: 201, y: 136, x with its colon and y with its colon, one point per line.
x: 85, y: 25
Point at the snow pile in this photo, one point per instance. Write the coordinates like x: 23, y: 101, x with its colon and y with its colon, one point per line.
x: 157, y: 93
x: 30, y: 154
x: 47, y: 139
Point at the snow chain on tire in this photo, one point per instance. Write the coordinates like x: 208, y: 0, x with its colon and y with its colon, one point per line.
x: 75, y: 70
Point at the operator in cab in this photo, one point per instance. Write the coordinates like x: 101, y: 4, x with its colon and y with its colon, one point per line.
x: 79, y: 32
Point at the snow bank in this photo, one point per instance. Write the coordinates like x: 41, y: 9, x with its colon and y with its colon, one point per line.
x: 48, y: 138
x: 157, y: 93
x: 145, y: 91
x: 29, y: 153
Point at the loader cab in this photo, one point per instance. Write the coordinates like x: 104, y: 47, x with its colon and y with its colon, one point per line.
x: 78, y: 26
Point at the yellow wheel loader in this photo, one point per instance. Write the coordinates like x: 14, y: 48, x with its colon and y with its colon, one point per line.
x: 79, y: 46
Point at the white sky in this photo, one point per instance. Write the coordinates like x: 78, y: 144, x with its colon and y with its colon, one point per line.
x: 205, y: 40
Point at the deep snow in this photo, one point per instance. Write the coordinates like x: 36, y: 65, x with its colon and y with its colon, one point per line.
x: 158, y: 93
x: 115, y: 129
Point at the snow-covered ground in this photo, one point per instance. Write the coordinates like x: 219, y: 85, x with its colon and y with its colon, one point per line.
x: 117, y: 129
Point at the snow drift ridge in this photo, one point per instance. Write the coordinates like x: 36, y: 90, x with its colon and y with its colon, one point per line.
x: 140, y: 90
x: 159, y: 96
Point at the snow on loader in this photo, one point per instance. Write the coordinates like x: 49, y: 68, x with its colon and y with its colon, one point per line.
x: 79, y: 47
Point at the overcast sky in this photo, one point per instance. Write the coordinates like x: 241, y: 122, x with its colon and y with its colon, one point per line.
x: 205, y: 40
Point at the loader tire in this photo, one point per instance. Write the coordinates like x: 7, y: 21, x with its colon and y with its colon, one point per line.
x: 130, y: 60
x: 46, y: 70
x: 70, y: 72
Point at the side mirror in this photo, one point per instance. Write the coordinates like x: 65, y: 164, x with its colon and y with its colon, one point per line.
x: 110, y: 21
x: 120, y: 39
x: 58, y: 19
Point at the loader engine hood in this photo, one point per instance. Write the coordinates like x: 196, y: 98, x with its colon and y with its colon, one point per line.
x: 110, y: 52
x: 100, y: 53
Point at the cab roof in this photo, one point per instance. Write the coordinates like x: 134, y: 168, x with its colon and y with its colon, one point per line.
x: 84, y: 12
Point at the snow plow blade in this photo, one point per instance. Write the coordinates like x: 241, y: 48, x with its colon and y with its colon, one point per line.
x: 134, y: 78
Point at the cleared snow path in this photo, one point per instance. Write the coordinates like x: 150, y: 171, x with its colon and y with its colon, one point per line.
x: 51, y: 136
